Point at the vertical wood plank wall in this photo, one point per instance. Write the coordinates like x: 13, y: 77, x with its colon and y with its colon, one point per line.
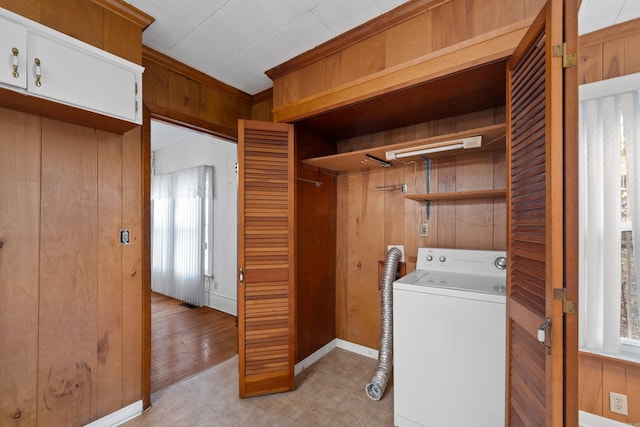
x: 369, y: 219
x: 20, y: 236
x: 315, y: 247
x: 70, y: 322
x: 604, y: 54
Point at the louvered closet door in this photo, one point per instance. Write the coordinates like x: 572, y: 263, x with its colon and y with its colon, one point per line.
x: 265, y: 258
x: 535, y: 224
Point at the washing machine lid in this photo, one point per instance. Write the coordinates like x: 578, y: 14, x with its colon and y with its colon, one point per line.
x: 457, y: 281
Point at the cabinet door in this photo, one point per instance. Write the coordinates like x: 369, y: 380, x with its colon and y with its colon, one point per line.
x: 13, y: 51
x: 73, y: 76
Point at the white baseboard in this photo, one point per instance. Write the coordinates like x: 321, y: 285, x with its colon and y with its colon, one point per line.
x: 222, y: 303
x: 336, y: 343
x: 314, y: 357
x: 357, y: 348
x: 119, y: 417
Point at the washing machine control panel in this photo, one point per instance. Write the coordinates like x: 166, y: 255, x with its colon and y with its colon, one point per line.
x: 467, y: 261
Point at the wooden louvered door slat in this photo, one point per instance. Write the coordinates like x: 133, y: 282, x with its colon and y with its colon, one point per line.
x: 536, y: 223
x: 265, y: 258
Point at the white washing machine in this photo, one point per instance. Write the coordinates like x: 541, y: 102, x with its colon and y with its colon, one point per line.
x: 449, y: 340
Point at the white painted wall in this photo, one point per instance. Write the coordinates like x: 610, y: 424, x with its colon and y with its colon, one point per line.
x: 221, y: 293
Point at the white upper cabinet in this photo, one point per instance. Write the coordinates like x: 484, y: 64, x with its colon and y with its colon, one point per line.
x: 80, y: 78
x: 59, y: 68
x: 13, y: 51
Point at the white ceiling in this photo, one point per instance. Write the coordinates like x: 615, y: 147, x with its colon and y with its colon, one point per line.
x: 236, y: 41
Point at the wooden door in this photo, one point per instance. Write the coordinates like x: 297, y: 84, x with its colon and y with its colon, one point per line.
x: 265, y: 258
x: 536, y: 224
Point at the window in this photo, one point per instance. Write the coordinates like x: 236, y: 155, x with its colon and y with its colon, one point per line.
x: 609, y: 209
x: 182, y: 233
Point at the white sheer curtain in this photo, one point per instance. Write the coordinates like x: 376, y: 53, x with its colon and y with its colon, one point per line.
x: 609, y: 126
x: 181, y: 233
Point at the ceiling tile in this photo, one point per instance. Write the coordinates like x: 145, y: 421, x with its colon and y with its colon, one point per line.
x: 339, y: 15
x: 386, y: 5
x: 166, y: 30
x: 241, y: 72
x: 268, y: 53
x: 199, y: 56
x: 251, y: 18
x: 220, y: 36
x: 193, y: 11
x: 289, y: 9
x: 597, y: 14
x: 630, y: 10
x: 303, y: 33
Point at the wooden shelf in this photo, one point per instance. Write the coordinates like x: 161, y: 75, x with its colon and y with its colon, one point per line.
x: 458, y: 195
x: 492, y: 139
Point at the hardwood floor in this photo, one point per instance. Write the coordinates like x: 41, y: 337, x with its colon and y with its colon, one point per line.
x: 185, y: 340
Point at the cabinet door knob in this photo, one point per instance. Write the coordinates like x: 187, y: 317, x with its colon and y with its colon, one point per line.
x: 38, y: 72
x: 15, y: 72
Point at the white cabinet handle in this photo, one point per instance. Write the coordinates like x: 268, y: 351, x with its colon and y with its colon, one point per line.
x: 38, y: 72
x: 15, y: 72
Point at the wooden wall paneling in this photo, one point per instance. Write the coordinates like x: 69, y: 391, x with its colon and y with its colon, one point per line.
x: 261, y: 105
x: 315, y: 248
x: 19, y: 268
x: 446, y: 211
x: 184, y: 95
x: 499, y: 204
x: 614, y: 58
x: 533, y: 7
x: 590, y: 64
x: 590, y: 385
x: 366, y: 247
x: 361, y: 59
x: 394, y: 208
x: 81, y: 19
x: 613, y: 379
x: 122, y: 38
x: 109, y: 293
x: 133, y: 191
x: 342, y: 256
x: 67, y: 353
x: 632, y: 59
x: 450, y: 24
x: 633, y: 394
x: 155, y: 84
x: 408, y: 40
x: 413, y: 213
x: 474, y: 218
x: 28, y: 8
x: 484, y: 16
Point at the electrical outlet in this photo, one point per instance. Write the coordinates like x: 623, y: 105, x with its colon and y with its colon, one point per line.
x: 424, y: 229
x: 618, y: 403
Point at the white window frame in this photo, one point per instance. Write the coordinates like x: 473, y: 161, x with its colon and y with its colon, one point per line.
x: 629, y: 348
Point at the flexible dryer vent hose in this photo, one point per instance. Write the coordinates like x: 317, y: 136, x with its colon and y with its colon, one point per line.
x: 375, y: 388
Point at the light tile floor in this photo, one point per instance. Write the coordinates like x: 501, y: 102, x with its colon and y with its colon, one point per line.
x: 329, y: 393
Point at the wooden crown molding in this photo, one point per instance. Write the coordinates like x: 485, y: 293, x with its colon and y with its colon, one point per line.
x: 377, y: 25
x: 191, y: 73
x: 126, y: 11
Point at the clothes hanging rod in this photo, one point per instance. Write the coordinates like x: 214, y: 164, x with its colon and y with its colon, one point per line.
x: 317, y: 183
